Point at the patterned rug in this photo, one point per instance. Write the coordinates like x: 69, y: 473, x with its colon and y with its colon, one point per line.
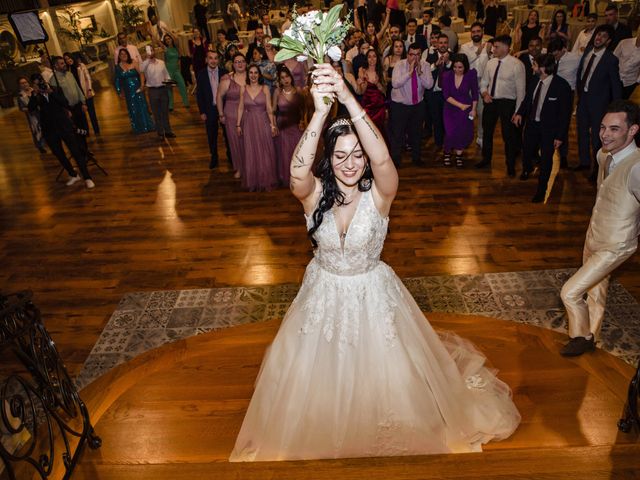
x: 146, y: 320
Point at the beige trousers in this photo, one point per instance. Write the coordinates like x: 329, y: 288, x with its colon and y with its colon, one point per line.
x: 592, y: 279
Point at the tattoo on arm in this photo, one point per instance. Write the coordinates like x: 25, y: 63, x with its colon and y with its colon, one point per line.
x: 299, y: 161
x: 373, y: 130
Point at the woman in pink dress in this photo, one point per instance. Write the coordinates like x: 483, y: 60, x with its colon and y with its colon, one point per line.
x: 288, y: 105
x: 229, y: 97
x: 371, y: 85
x: 298, y: 71
x: 256, y: 127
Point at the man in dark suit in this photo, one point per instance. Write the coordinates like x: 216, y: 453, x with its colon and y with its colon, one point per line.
x: 268, y: 29
x: 440, y: 62
x: 412, y: 36
x: 547, y: 109
x: 258, y: 41
x: 57, y: 127
x: 427, y: 27
x: 208, y: 80
x: 620, y: 30
x: 598, y: 84
x: 534, y: 49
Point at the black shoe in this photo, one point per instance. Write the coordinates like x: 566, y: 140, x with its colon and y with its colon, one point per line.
x: 577, y: 346
x: 170, y: 135
x: 538, y: 198
x: 524, y: 175
x: 580, y: 167
x: 213, y: 163
x: 482, y: 164
x: 511, y: 172
x: 42, y: 150
x: 564, y: 164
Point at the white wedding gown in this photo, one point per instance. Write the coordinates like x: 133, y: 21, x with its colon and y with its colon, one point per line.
x: 357, y: 371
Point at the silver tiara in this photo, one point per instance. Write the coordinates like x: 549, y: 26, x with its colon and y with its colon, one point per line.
x: 341, y: 122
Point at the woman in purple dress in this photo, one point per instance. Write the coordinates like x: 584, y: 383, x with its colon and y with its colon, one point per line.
x: 298, y: 71
x: 256, y: 127
x: 460, y: 92
x: 288, y: 105
x: 229, y: 97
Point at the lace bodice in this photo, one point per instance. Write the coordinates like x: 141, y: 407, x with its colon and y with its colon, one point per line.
x: 362, y: 246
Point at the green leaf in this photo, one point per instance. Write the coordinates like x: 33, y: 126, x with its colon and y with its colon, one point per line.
x: 333, y: 16
x: 285, y: 54
x: 287, y: 42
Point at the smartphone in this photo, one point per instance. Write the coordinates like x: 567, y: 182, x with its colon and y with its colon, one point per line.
x: 148, y: 49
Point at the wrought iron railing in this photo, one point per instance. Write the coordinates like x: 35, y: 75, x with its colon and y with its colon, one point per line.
x: 631, y: 418
x: 44, y: 424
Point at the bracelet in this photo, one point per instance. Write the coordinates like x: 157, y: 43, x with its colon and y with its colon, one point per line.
x: 359, y: 116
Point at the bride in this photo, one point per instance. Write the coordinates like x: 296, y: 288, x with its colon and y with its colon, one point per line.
x: 355, y: 369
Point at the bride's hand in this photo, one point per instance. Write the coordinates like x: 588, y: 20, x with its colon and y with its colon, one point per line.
x: 327, y: 81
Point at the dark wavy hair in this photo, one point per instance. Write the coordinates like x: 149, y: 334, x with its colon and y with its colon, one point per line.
x: 331, y: 194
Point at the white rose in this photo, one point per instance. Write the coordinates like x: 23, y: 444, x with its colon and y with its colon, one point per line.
x: 301, y: 58
x: 335, y: 53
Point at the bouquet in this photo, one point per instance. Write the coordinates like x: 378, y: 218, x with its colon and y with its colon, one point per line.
x: 313, y: 35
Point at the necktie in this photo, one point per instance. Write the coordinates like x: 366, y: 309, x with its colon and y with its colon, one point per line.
x: 495, y: 79
x: 213, y: 79
x: 587, y: 71
x: 536, y: 100
x: 414, y: 87
x: 607, y: 165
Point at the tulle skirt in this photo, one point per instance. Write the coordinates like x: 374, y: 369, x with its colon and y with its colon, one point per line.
x: 357, y: 371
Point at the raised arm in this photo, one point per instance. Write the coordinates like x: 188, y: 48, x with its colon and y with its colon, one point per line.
x: 384, y: 171
x: 385, y: 25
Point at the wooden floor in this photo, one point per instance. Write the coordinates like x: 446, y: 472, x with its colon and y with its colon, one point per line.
x: 174, y: 413
x: 162, y: 220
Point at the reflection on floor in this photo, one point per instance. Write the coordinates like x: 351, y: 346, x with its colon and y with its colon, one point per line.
x: 146, y: 320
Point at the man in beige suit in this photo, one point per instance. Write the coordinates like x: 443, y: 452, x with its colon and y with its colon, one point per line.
x: 612, y: 236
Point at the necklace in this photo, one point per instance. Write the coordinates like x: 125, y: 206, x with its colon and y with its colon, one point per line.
x: 287, y: 93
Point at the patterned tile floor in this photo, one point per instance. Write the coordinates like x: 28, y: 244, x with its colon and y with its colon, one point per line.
x: 146, y: 320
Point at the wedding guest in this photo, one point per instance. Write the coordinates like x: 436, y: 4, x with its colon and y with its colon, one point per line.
x: 535, y: 49
x: 86, y: 84
x: 477, y: 52
x: 158, y: 30
x: 267, y: 68
x: 440, y: 62
x: 288, y: 105
x: 33, y: 117
x: 57, y: 128
x: 412, y: 36
x: 628, y: 53
x: 234, y: 12
x: 491, y: 17
x: 129, y: 86
x: 372, y: 90
x: 598, y: 84
x: 269, y: 30
x: 198, y: 48
x: 427, y: 27
x: 231, y: 52
x: 527, y: 30
x: 256, y: 126
x: 299, y: 70
x: 200, y: 15
x: 258, y: 41
x: 123, y: 43
x: 559, y: 27
x: 155, y: 77
x: 222, y: 43
x: 503, y: 88
x: 445, y: 27
x: 208, y: 82
x: 397, y: 53
x: 612, y: 236
x: 411, y: 77
x: 172, y: 61
x: 227, y: 102
x: 545, y: 112
x: 45, y: 67
x: 620, y: 30
x: 460, y: 93
x: 584, y: 37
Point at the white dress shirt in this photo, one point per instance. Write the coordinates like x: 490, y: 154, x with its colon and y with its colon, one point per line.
x: 568, y: 68
x: 511, y: 83
x: 585, y: 64
x: 634, y: 177
x: 582, y: 41
x: 543, y: 85
x: 213, y: 81
x: 436, y: 87
x: 479, y: 62
x: 410, y: 39
x: 629, y: 57
x: 155, y: 72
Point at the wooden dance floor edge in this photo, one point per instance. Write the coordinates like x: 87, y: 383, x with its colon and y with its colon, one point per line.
x: 155, y: 386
